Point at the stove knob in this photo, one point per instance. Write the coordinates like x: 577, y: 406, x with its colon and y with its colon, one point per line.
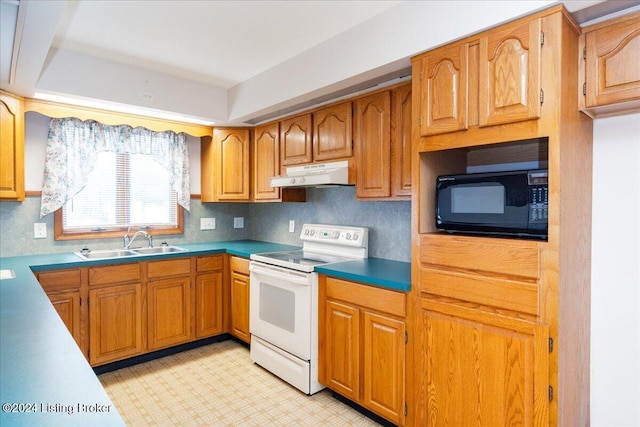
x: 348, y: 236
x: 301, y: 180
x: 356, y: 236
x: 293, y: 180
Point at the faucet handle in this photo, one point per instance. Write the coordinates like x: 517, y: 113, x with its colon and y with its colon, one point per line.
x: 150, y: 240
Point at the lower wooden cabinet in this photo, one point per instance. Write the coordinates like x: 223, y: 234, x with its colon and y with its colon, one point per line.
x: 481, y: 368
x: 239, y: 284
x: 67, y: 304
x: 209, y: 296
x: 63, y: 287
x: 115, y: 323
x: 123, y: 310
x: 169, y: 312
x: 362, y: 345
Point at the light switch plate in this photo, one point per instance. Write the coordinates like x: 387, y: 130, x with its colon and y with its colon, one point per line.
x: 238, y: 222
x: 292, y: 226
x: 207, y: 223
x: 39, y: 230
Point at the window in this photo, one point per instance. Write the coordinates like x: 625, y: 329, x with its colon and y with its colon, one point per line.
x: 100, y: 180
x: 124, y: 190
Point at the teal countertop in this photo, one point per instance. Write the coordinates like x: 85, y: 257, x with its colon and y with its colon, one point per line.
x: 385, y: 273
x: 44, y: 377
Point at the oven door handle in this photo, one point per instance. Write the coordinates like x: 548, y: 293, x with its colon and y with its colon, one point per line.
x: 282, y: 274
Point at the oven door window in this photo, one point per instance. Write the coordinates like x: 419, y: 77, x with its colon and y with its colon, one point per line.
x: 277, y: 307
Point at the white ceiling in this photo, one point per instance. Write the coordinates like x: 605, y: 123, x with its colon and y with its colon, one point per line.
x: 234, y: 62
x: 221, y: 43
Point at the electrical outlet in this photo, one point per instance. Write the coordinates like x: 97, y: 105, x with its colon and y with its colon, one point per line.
x: 207, y: 223
x: 39, y: 230
x: 238, y: 222
x: 292, y: 226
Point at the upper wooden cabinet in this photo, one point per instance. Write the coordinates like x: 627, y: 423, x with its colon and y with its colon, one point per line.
x: 611, y: 66
x: 332, y: 138
x: 225, y: 174
x: 11, y: 147
x: 489, y: 80
x: 372, y: 134
x: 266, y: 161
x: 509, y: 73
x: 382, y: 137
x: 296, y: 140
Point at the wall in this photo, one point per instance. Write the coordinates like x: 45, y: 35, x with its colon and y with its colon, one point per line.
x: 390, y: 234
x: 615, y: 283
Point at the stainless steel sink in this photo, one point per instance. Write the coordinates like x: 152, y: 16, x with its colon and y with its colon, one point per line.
x: 115, y: 253
x: 125, y: 253
x: 159, y: 250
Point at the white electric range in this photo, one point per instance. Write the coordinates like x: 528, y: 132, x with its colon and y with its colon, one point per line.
x: 284, y: 301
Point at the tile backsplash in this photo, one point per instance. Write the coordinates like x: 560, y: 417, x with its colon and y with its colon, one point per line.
x: 389, y: 224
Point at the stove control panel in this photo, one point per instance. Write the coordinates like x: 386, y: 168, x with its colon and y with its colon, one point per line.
x: 335, y: 234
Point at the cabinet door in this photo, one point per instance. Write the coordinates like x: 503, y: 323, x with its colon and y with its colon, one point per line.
x: 115, y: 323
x: 444, y: 90
x: 613, y: 63
x: 12, y: 147
x: 509, y: 74
x: 232, y: 161
x: 266, y: 161
x: 332, y: 138
x: 209, y: 304
x: 240, y: 306
x: 67, y: 304
x: 342, y: 349
x: 383, y: 376
x: 401, y: 141
x: 373, y: 140
x: 296, y: 140
x: 169, y: 309
x: 481, y: 368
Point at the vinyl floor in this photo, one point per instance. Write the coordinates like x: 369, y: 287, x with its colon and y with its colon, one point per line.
x: 218, y: 385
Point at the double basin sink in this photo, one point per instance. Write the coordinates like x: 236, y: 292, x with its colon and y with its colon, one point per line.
x: 126, y: 253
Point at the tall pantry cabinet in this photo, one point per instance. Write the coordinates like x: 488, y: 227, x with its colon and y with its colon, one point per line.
x: 500, y: 326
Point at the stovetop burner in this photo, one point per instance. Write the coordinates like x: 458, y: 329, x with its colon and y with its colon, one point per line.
x: 322, y: 244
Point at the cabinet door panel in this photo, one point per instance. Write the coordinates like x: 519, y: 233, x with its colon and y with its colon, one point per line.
x: 115, y: 321
x: 482, y: 368
x: 444, y: 90
x: 373, y: 139
x: 240, y: 306
x: 67, y: 304
x: 332, y: 138
x: 208, y: 304
x: 232, y: 175
x: 169, y: 305
x: 266, y: 161
x: 296, y: 140
x: 383, y: 375
x: 510, y: 74
x: 613, y: 63
x: 342, y: 357
x: 12, y: 148
x: 401, y: 141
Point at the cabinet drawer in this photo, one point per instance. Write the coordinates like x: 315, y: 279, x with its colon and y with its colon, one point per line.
x: 172, y: 267
x: 371, y: 297
x: 239, y: 265
x: 517, y: 259
x: 208, y: 263
x: 114, y: 274
x: 490, y: 291
x: 60, y: 280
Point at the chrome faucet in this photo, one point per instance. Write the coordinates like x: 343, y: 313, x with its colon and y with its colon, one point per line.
x: 128, y: 241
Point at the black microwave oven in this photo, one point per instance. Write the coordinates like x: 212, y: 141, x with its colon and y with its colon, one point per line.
x: 513, y: 203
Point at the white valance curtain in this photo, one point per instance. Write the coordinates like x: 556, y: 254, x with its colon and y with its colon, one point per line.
x: 73, y: 146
